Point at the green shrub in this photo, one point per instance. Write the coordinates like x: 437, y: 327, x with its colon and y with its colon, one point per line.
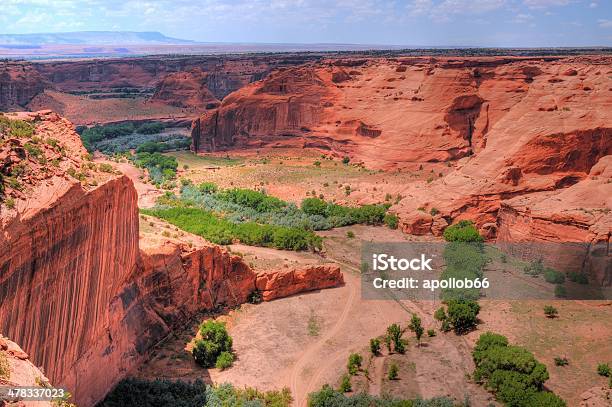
x: 375, y: 346
x: 166, y: 393
x: 328, y: 397
x: 534, y: 268
x: 511, y: 372
x: 550, y: 311
x: 577, y: 277
x: 314, y: 206
x: 345, y: 384
x: 391, y: 220
x: 603, y: 369
x: 215, y: 340
x: 561, y: 361
x: 553, y: 276
x: 392, y: 374
x: 354, y: 363
x: 463, y: 315
x: 350, y: 234
x: 155, y: 393
x: 560, y: 291
x: 462, y: 231
x: 224, y: 361
x: 252, y: 199
x: 346, y: 160
x: 208, y: 187
x: 431, y: 333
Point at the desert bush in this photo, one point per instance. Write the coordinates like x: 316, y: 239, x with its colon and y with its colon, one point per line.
x: 431, y: 333
x: 560, y: 291
x: 215, y: 341
x: 603, y: 369
x: 578, y: 277
x: 224, y: 361
x: 416, y: 327
x: 534, y: 268
x: 550, y: 311
x: 553, y: 276
x: 511, y: 372
x: 391, y: 220
x: 328, y: 397
x: 145, y: 393
x: 462, y: 231
x: 345, y: 384
x: 463, y: 315
x: 392, y: 374
x: 375, y: 346
x: 561, y: 361
x: 354, y: 363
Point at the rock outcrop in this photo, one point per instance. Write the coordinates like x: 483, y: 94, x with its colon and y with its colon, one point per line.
x: 285, y: 282
x: 78, y: 290
x: 16, y: 369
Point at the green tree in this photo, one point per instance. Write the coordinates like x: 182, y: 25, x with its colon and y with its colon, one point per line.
x: 463, y: 315
x: 416, y: 327
x: 214, y: 341
x: 375, y: 346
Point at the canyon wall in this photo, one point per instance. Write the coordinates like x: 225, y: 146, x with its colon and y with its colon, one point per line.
x: 84, y: 296
x: 517, y: 133
x: 19, y: 83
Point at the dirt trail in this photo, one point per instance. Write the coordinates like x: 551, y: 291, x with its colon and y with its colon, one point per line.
x: 299, y: 394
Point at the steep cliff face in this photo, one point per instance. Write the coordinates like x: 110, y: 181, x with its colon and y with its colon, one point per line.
x: 19, y: 83
x: 78, y: 289
x: 387, y: 112
x: 186, y: 89
x: 226, y: 73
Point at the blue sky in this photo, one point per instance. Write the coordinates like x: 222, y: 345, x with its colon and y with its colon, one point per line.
x: 409, y: 22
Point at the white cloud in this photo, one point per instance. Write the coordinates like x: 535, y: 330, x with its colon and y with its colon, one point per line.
x: 446, y: 9
x: 534, y: 4
x: 604, y: 23
x: 593, y: 5
x: 522, y: 18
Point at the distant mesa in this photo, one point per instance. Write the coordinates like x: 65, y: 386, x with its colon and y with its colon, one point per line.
x: 89, y: 38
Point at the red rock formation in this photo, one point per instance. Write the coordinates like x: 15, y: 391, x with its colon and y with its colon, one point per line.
x: 19, y: 83
x: 186, y: 89
x: 75, y: 288
x: 285, y: 282
x: 21, y: 372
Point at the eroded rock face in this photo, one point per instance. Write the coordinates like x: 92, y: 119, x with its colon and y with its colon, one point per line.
x: 19, y: 83
x: 285, y: 282
x: 79, y: 291
x: 186, y: 89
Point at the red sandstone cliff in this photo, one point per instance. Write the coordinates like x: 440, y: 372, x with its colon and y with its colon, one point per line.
x: 19, y: 83
x: 520, y: 133
x: 76, y: 290
x: 186, y: 89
